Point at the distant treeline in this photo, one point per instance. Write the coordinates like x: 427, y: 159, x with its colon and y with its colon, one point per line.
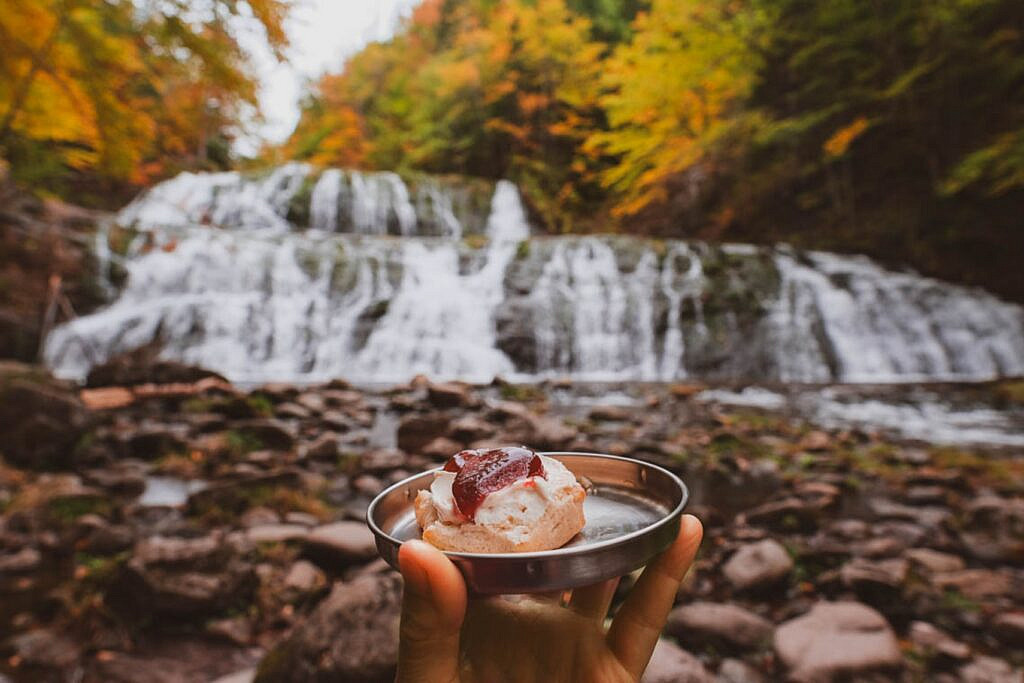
x: 892, y: 128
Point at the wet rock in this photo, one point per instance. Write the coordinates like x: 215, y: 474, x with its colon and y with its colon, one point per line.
x: 672, y: 664
x: 976, y: 583
x: 886, y: 546
x: 548, y: 433
x: 368, y: 485
x: 20, y: 562
x: 381, y: 460
x: 849, y: 529
x: 324, y: 447
x: 867, y: 575
x: 270, y: 433
x: 989, y: 670
x: 183, y: 577
x: 303, y: 577
x: 107, y: 539
x: 341, y: 544
x: 41, y: 419
x: 993, y: 530
x: 121, y: 481
x: 352, y: 635
x: 311, y: 401
x: 928, y: 517
x: 469, y: 428
x: 722, y: 626
x: 1009, y: 628
x: 926, y: 495
x: 277, y: 533
x: 789, y: 514
x: 150, y: 442
x: 449, y: 395
x: 836, y: 639
x: 907, y: 532
x: 235, y: 497
x: 815, y: 441
x: 738, y: 671
x: 934, y: 561
x: 237, y: 630
x: 259, y: 516
x: 611, y: 414
x: 757, y: 565
x: 441, y: 448
x: 292, y: 411
x: 44, y: 648
x: 303, y: 518
x: 416, y: 431
x: 934, y: 642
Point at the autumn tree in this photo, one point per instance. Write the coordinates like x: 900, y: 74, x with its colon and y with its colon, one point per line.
x: 124, y: 90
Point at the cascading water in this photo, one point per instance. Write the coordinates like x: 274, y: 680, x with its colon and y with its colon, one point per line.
x: 395, y: 278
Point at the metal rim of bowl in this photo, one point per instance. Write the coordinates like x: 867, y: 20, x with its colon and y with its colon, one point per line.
x: 684, y: 495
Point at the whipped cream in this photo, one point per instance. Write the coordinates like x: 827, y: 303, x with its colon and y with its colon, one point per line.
x: 525, y: 500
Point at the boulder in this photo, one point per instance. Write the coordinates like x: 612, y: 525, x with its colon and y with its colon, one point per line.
x: 722, y: 626
x: 303, y: 577
x: 1009, y: 628
x: 469, y: 428
x: 416, y: 431
x: 450, y: 395
x: 836, y: 639
x: 276, y: 533
x: 41, y: 419
x: 441, y: 448
x: 341, y: 544
x: 324, y: 447
x: 989, y: 670
x: 672, y: 664
x: 381, y: 460
x: 933, y: 642
x: 738, y: 671
x: 757, y: 565
x: 270, y: 433
x: 148, y: 442
x: 933, y: 561
x: 873, y: 575
x: 182, y: 577
x: 976, y: 584
x: 45, y: 648
x: 20, y: 562
x: 351, y: 636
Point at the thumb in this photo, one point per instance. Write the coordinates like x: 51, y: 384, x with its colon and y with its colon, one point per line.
x: 433, y: 607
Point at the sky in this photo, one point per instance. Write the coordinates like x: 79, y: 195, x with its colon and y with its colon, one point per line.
x: 323, y: 33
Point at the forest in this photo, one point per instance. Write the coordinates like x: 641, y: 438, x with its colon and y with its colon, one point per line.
x: 891, y: 129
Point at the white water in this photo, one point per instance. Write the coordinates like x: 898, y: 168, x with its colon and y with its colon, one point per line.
x: 924, y: 415
x: 381, y: 288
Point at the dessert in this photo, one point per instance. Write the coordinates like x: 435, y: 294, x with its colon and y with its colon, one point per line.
x: 501, y: 500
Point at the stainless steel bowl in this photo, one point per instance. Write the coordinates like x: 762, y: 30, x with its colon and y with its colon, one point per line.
x: 632, y: 511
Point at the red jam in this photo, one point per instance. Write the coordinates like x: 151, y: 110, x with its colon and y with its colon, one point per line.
x: 480, y: 473
x: 456, y: 462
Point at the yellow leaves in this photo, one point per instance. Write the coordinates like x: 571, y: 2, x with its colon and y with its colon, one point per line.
x: 840, y: 141
x: 671, y: 94
x: 104, y: 87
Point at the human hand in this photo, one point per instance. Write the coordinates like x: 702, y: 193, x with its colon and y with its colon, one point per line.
x: 447, y: 638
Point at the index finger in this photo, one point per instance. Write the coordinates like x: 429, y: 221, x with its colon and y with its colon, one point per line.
x: 635, y: 629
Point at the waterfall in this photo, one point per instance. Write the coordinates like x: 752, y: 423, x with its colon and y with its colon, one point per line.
x: 301, y: 275
x: 880, y: 326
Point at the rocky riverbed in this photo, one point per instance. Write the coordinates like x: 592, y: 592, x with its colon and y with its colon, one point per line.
x: 189, y: 530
